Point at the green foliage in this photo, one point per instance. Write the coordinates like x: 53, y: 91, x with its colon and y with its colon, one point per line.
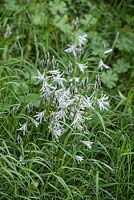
x: 121, y: 66
x: 125, y: 41
x: 89, y: 19
x: 109, y: 78
x: 35, y: 165
x: 11, y: 5
x: 62, y: 24
x: 38, y: 17
x: 57, y: 6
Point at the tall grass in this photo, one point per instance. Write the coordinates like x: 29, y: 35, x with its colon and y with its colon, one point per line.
x: 35, y: 163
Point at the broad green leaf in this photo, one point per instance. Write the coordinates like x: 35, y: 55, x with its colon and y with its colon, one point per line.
x: 57, y: 6
x: 11, y: 5
x: 125, y: 42
x: 121, y: 66
x: 38, y: 18
x: 89, y: 20
x: 109, y: 78
x: 62, y: 24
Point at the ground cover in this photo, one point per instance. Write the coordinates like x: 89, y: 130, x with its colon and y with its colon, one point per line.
x: 66, y: 106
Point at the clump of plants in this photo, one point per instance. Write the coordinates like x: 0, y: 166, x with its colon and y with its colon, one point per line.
x: 68, y: 99
x: 66, y: 107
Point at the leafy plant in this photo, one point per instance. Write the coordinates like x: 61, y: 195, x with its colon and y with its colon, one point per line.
x: 62, y: 24
x: 59, y: 138
x: 121, y: 66
x: 109, y: 78
x: 57, y: 7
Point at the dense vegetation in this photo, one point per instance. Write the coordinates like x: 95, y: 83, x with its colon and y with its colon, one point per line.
x: 66, y: 100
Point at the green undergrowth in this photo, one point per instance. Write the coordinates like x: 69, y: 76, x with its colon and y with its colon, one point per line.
x: 36, y: 163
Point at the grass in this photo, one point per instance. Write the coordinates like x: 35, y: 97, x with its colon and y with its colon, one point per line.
x: 35, y: 164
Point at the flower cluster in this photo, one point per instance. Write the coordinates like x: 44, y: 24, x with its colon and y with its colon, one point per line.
x: 64, y: 103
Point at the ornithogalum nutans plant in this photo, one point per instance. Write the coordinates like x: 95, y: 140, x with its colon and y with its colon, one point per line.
x: 65, y: 103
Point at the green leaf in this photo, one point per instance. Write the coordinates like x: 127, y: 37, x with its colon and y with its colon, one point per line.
x: 11, y: 5
x: 121, y: 66
x: 89, y: 20
x: 38, y: 18
x: 125, y: 42
x: 62, y: 24
x: 109, y: 78
x: 57, y: 6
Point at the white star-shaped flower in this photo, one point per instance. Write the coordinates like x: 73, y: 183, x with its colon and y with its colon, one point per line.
x: 82, y: 67
x: 40, y: 77
x: 39, y: 116
x: 103, y: 103
x: 79, y: 159
x: 87, y: 143
x: 102, y: 65
x: 23, y: 128
x: 72, y: 49
x: 82, y: 39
